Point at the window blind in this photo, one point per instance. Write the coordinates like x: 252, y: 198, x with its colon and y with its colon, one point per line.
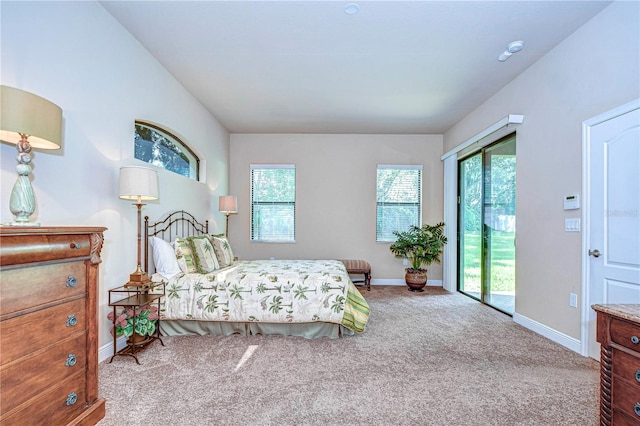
x: 398, y: 200
x: 273, y: 202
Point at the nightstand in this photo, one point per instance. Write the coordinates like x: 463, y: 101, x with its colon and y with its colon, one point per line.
x: 134, y: 298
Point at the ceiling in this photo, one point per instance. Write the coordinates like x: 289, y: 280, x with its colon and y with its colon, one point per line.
x: 395, y: 67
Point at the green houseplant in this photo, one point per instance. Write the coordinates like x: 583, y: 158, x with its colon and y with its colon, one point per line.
x: 421, y: 246
x: 146, y: 318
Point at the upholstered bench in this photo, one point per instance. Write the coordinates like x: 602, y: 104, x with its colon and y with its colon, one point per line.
x: 359, y: 267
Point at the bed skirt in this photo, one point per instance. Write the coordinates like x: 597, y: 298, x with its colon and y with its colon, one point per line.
x: 205, y: 328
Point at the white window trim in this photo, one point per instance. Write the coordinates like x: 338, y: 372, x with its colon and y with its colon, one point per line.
x: 253, y: 166
x: 402, y: 167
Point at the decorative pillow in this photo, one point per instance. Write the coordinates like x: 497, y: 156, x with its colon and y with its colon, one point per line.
x: 203, y: 254
x: 223, y: 250
x: 184, y: 254
x: 164, y: 257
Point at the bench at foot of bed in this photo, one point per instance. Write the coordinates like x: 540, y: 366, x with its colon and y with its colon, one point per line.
x: 363, y: 267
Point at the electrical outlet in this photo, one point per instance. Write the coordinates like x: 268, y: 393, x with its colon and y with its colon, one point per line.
x: 573, y: 300
x: 405, y: 262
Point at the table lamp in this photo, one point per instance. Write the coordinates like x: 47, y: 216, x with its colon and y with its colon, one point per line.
x: 28, y: 121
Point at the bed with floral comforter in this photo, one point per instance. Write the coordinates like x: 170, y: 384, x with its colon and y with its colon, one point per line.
x: 309, y: 298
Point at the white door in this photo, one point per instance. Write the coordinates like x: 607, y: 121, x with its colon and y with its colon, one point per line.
x: 613, y: 234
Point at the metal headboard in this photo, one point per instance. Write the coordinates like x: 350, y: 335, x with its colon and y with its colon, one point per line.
x: 177, y: 224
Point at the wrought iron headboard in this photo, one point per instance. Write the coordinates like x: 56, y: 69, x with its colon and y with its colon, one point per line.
x: 177, y: 224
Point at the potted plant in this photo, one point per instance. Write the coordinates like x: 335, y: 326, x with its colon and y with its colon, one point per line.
x: 420, y: 246
x: 146, y: 318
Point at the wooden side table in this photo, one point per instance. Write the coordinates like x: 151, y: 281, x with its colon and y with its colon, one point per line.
x: 135, y: 297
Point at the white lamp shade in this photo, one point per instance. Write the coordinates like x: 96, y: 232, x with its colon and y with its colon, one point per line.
x: 138, y: 183
x: 228, y: 204
x: 25, y: 113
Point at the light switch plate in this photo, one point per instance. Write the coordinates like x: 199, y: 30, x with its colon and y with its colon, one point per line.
x: 572, y: 225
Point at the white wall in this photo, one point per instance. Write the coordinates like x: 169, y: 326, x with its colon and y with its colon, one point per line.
x: 335, y: 194
x: 77, y: 56
x: 594, y: 70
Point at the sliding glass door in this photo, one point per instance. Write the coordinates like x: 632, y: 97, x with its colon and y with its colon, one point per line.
x: 486, y: 229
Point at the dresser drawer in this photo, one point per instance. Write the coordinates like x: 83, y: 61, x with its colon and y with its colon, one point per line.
x: 626, y: 367
x: 41, y: 248
x: 22, y: 335
x: 27, y: 287
x: 23, y: 380
x: 625, y: 398
x: 64, y: 401
x: 626, y: 334
x: 620, y: 419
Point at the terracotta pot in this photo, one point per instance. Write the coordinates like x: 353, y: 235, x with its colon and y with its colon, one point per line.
x: 416, y: 279
x: 136, y: 339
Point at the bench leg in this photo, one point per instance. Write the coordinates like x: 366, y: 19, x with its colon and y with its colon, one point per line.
x: 367, y: 280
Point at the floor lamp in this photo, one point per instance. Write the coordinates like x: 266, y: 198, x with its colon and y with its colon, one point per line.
x: 228, y: 204
x: 28, y: 121
x: 139, y: 184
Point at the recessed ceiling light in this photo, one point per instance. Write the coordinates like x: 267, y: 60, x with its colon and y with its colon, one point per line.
x: 351, y: 9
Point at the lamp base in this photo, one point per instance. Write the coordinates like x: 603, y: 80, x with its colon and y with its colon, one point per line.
x: 22, y: 224
x: 139, y: 276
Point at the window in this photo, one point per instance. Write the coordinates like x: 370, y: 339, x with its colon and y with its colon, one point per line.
x: 399, y: 200
x: 273, y: 203
x: 160, y: 148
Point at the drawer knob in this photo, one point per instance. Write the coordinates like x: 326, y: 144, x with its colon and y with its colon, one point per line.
x: 635, y: 340
x: 72, y: 398
x: 71, y: 360
x: 74, y: 246
x: 72, y: 281
x: 638, y: 375
x: 72, y: 320
x: 636, y: 408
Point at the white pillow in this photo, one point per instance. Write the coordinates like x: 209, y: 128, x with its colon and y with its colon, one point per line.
x: 164, y: 257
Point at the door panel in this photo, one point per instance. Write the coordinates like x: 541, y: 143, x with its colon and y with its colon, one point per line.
x: 614, y: 210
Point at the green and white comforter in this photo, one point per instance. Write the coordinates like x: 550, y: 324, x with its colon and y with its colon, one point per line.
x: 270, y: 291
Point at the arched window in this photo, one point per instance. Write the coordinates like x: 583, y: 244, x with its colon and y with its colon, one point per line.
x: 159, y: 147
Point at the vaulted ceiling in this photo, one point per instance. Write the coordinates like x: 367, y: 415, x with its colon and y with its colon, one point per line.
x: 309, y: 67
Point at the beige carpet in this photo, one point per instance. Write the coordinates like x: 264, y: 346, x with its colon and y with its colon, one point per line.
x: 431, y: 358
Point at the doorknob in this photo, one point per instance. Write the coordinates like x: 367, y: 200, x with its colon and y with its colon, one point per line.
x: 594, y: 253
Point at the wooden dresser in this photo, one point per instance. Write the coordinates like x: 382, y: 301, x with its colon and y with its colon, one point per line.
x: 618, y: 331
x: 48, y: 325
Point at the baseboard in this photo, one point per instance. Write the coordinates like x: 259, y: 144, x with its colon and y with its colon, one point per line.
x: 548, y: 332
x: 106, y: 351
x: 402, y: 282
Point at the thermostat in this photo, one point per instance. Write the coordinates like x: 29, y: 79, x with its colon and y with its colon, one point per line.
x: 571, y: 202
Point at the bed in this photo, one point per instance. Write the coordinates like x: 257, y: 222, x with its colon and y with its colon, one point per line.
x: 220, y: 295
